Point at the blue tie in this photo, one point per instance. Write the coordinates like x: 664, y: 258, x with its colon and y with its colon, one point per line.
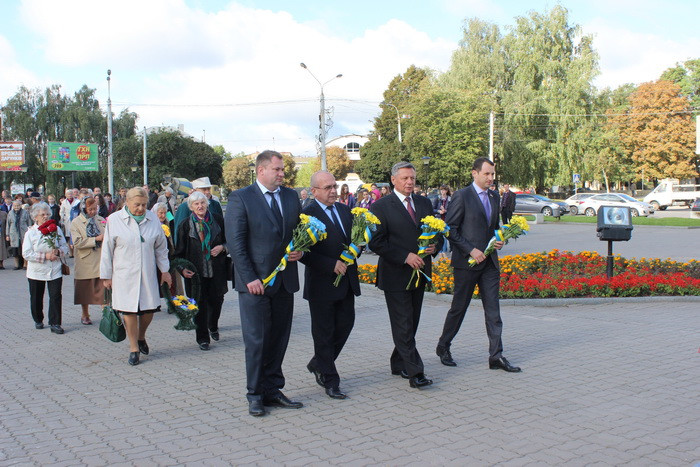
x: 487, y: 206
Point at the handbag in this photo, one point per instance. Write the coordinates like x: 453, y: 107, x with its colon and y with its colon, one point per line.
x: 65, y: 269
x: 111, y: 325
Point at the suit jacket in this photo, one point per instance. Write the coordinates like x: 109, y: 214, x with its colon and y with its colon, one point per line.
x: 508, y: 201
x: 395, y: 238
x: 305, y: 203
x: 87, y: 252
x: 321, y: 259
x: 469, y: 228
x: 254, y: 240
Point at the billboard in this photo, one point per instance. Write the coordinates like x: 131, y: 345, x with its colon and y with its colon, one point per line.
x: 80, y: 157
x: 11, y: 155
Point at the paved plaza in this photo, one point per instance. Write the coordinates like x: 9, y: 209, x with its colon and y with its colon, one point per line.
x: 609, y: 383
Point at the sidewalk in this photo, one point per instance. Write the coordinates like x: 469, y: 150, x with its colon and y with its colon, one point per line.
x: 602, y: 383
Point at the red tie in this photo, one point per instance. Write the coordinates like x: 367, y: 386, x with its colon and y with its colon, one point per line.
x: 409, y: 207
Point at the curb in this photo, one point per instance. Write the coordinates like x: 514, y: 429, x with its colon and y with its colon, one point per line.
x: 562, y: 302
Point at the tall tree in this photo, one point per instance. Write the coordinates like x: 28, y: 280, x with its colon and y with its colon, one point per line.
x: 687, y: 76
x: 337, y: 162
x: 657, y: 132
x: 383, y: 148
x: 237, y: 172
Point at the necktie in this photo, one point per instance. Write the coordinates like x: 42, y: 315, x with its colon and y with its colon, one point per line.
x: 276, y: 210
x: 487, y: 205
x: 409, y: 208
x: 334, y: 218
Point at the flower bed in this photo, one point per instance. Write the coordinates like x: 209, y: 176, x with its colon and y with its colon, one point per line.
x: 566, y: 274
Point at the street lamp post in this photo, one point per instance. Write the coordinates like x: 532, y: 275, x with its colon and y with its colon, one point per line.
x: 322, y: 115
x: 134, y: 168
x: 398, y: 117
x: 24, y: 168
x: 110, y: 155
x: 426, y: 164
x: 251, y: 167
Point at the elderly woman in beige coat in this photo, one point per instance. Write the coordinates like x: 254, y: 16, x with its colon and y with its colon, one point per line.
x: 87, y: 232
x: 134, y: 248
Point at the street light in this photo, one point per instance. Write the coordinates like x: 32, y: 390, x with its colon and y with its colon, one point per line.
x: 251, y: 167
x: 398, y: 117
x: 426, y: 162
x: 322, y: 115
x: 134, y: 168
x: 24, y: 168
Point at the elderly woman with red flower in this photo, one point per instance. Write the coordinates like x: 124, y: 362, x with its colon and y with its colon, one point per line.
x: 42, y: 248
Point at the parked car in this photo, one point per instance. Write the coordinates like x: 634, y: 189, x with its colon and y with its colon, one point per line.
x: 589, y: 206
x: 572, y: 201
x: 696, y: 205
x: 527, y: 203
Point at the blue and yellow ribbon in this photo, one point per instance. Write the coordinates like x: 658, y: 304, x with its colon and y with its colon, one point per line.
x: 270, y: 280
x: 351, y: 254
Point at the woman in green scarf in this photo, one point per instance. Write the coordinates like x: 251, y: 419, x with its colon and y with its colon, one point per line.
x: 201, y: 240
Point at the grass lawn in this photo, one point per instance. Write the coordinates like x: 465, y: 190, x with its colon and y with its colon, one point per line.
x: 664, y: 221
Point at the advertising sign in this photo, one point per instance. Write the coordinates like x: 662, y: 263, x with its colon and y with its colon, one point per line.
x: 81, y: 157
x: 11, y: 155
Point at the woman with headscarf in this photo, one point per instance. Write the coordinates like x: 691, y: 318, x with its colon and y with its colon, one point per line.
x: 87, y: 232
x: 43, y: 251
x: 133, y: 250
x: 18, y: 223
x: 200, y: 240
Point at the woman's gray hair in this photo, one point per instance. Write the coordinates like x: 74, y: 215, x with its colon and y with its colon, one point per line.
x: 158, y: 206
x: 196, y: 196
x: 169, y: 190
x: 39, y: 208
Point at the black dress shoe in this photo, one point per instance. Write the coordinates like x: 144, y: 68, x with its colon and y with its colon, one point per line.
x: 419, y: 381
x: 317, y: 374
x: 334, y: 393
x: 256, y: 408
x: 57, y: 329
x: 503, y: 364
x: 401, y: 373
x: 39, y: 325
x: 280, y: 400
x: 204, y: 346
x: 133, y: 358
x: 445, y: 357
x: 214, y: 335
x: 143, y: 347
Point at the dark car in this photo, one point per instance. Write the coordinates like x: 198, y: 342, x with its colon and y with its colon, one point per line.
x: 696, y: 205
x: 527, y: 203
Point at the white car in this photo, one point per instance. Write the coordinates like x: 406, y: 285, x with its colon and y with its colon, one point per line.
x: 589, y: 206
x: 573, y: 201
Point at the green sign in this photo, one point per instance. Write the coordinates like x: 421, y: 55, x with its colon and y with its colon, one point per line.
x: 80, y: 157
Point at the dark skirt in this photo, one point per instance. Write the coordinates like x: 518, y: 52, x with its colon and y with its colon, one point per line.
x: 89, y: 292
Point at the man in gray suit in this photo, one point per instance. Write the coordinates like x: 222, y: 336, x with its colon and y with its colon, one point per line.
x: 259, y: 223
x: 472, y: 218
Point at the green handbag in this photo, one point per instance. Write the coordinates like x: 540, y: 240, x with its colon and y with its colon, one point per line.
x: 111, y: 325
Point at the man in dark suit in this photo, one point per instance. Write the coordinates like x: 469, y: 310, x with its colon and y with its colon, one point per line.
x: 260, y: 219
x: 507, y: 204
x: 332, y: 308
x: 396, y: 243
x: 472, y: 218
x: 304, y: 199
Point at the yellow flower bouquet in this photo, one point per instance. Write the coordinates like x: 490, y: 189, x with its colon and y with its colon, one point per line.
x: 431, y: 228
x: 363, y: 224
x: 518, y: 226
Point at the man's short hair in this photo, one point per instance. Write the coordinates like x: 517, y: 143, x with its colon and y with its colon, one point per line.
x: 266, y: 156
x: 479, y: 163
x: 401, y: 165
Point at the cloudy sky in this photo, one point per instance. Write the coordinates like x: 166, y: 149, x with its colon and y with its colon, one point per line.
x: 229, y: 70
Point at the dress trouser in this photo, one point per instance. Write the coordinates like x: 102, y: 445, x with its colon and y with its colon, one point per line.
x: 36, y: 299
x: 266, y: 321
x: 404, y: 315
x: 331, y: 324
x: 210, y: 303
x: 466, y: 279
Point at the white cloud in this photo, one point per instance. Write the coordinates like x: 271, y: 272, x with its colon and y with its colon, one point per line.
x: 12, y: 74
x: 633, y: 57
x: 165, y: 52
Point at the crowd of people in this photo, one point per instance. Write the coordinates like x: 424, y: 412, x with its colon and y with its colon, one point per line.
x: 125, y: 248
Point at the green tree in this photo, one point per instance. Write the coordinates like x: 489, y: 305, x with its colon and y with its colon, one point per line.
x: 337, y: 162
x: 687, y: 76
x: 383, y: 148
x: 237, y: 172
x: 290, y: 171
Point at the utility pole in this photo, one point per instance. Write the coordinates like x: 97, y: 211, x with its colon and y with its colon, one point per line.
x: 145, y: 157
x: 110, y: 158
x: 491, y: 116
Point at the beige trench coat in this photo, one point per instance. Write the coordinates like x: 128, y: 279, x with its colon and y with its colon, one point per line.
x: 87, y: 253
x: 131, y: 263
